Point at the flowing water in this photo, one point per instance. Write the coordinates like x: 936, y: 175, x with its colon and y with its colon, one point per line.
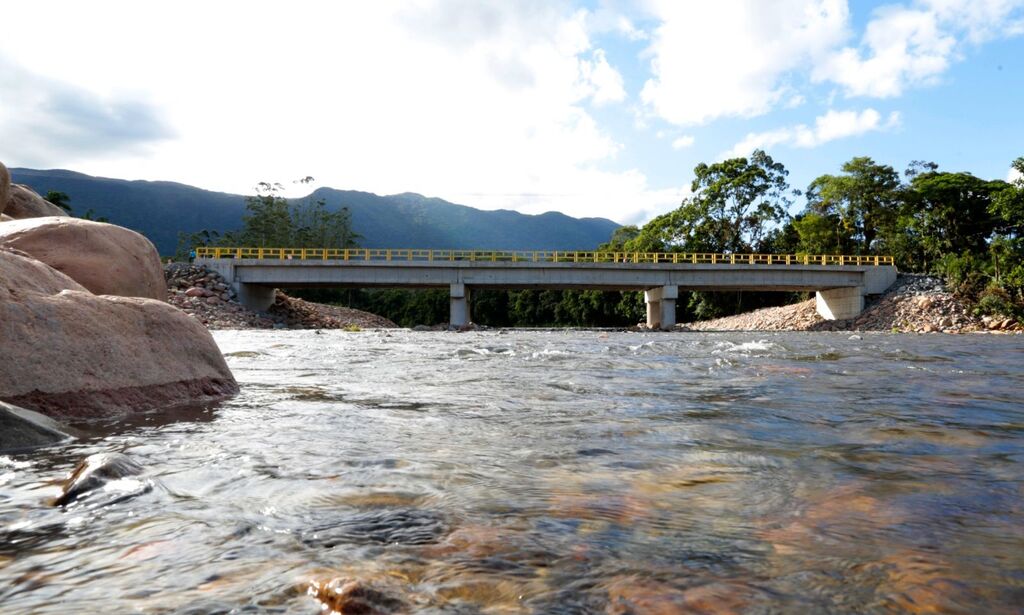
x: 550, y: 472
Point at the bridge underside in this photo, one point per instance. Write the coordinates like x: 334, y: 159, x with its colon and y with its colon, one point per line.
x: 840, y: 289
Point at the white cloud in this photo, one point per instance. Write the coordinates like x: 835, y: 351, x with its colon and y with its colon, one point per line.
x: 744, y: 58
x: 683, y: 142
x: 733, y: 57
x: 911, y: 45
x: 488, y: 104
x: 829, y: 127
x: 905, y: 47
x: 603, y: 81
x: 1014, y: 176
x: 605, y: 19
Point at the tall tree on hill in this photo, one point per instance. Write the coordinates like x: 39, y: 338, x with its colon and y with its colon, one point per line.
x: 272, y: 221
x: 267, y: 221
x: 864, y: 201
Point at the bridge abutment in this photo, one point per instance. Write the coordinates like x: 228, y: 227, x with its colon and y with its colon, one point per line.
x: 661, y: 307
x: 459, y: 312
x: 840, y: 303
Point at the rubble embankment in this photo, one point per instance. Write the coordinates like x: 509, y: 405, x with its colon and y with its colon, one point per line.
x: 914, y: 304
x: 207, y: 297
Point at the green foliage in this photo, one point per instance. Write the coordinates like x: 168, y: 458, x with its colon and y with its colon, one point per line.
x: 90, y: 214
x: 735, y: 204
x: 863, y: 203
x: 821, y: 234
x: 949, y: 213
x: 60, y: 199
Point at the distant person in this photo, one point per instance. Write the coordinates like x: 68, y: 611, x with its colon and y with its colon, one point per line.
x: 191, y: 255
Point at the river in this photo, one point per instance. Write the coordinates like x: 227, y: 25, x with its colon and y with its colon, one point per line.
x: 550, y: 472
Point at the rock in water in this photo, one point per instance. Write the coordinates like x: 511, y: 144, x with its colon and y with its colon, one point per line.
x: 5, y: 187
x: 23, y: 202
x: 354, y: 597
x: 104, y: 258
x: 94, y: 472
x: 22, y: 429
x: 67, y: 352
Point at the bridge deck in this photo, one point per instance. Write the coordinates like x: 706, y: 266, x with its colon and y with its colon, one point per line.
x: 841, y: 281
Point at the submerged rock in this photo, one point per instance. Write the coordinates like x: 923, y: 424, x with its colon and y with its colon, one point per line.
x: 22, y: 429
x: 94, y: 472
x: 355, y: 597
x: 389, y: 526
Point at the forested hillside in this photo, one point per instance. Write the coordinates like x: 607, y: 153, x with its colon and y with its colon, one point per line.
x: 163, y: 210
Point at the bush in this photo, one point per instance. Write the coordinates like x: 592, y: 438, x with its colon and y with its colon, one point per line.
x: 995, y: 301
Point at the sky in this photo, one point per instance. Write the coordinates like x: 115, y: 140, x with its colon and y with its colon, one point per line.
x: 592, y: 108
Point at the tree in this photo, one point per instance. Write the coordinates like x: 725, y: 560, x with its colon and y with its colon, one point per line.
x: 267, y: 221
x: 950, y: 212
x: 273, y: 221
x: 821, y: 234
x: 60, y: 199
x: 864, y: 201
x: 1008, y: 245
x: 735, y: 203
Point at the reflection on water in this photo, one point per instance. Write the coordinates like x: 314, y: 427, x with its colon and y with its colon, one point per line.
x: 550, y: 472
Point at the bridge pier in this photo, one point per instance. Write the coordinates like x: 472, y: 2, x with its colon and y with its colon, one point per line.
x: 459, y: 312
x: 255, y: 296
x: 839, y: 303
x: 661, y: 307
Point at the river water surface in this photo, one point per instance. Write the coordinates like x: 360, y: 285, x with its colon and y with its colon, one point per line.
x: 550, y: 472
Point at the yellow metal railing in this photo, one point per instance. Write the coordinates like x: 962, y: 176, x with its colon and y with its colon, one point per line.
x: 540, y: 256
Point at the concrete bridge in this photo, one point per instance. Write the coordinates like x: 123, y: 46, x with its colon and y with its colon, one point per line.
x: 841, y: 282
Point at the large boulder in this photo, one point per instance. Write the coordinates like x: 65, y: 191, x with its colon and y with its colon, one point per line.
x: 104, y: 258
x: 23, y: 202
x: 5, y: 187
x: 68, y: 353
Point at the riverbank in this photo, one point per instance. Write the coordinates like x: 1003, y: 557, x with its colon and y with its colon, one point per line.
x: 204, y: 295
x: 914, y: 304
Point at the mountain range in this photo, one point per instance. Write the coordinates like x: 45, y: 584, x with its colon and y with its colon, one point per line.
x: 161, y: 210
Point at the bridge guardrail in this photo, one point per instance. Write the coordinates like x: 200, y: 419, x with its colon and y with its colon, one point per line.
x: 537, y: 256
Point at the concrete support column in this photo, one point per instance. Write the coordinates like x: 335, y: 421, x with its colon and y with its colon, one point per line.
x: 459, y: 314
x: 661, y: 307
x: 255, y: 296
x: 653, y: 311
x: 840, y: 303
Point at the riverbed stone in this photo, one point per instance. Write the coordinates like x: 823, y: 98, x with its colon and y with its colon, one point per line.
x: 355, y: 597
x: 68, y: 353
x: 23, y: 202
x: 104, y: 258
x: 94, y: 472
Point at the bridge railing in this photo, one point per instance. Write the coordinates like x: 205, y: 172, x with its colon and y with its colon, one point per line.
x: 538, y: 256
